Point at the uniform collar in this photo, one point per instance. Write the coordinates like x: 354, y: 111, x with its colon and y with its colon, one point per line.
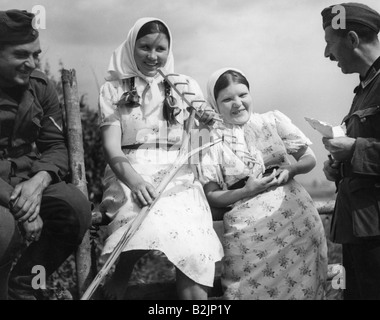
x: 372, y: 73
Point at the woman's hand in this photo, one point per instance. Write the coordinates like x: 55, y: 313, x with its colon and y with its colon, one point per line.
x: 255, y: 186
x: 143, y: 192
x: 206, y: 115
x: 285, y: 173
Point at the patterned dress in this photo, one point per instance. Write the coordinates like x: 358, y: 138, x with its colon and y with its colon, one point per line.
x: 274, y: 243
x: 180, y: 223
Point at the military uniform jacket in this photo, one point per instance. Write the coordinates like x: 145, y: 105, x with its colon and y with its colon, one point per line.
x: 361, y: 175
x: 37, y: 142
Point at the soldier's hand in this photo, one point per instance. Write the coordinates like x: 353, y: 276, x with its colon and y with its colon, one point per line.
x: 26, y: 198
x: 341, y: 148
x: 330, y: 170
x: 32, y: 230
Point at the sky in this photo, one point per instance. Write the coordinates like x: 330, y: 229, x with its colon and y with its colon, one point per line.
x: 278, y: 44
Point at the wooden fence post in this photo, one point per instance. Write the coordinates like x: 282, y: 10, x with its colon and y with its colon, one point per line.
x: 76, y: 158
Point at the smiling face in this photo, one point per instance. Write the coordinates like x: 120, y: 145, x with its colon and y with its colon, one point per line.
x: 17, y: 63
x: 235, y: 103
x: 151, y: 52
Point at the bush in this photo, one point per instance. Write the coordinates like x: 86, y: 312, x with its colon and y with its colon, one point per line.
x: 93, y: 154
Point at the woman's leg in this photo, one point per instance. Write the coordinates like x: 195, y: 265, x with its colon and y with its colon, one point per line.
x: 188, y: 289
x: 116, y: 287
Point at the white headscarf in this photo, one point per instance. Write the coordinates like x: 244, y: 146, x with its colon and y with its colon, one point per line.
x: 234, y: 135
x: 123, y: 65
x: 211, y: 85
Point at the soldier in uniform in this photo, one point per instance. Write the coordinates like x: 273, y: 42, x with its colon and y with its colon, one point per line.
x: 352, y: 41
x: 37, y: 206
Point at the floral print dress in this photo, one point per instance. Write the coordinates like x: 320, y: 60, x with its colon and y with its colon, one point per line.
x: 274, y: 243
x: 180, y: 223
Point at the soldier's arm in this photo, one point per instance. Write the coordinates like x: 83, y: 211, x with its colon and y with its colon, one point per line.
x: 5, y: 193
x: 366, y: 157
x: 366, y: 152
x: 51, y: 140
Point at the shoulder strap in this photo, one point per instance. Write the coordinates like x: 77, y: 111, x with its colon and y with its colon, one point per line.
x: 39, y: 75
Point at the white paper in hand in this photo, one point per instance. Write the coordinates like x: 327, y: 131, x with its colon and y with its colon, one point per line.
x: 327, y: 130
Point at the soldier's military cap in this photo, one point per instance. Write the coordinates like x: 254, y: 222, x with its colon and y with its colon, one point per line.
x: 354, y: 12
x: 16, y: 27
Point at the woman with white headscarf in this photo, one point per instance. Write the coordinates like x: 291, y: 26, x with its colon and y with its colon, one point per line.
x: 274, y: 241
x: 142, y: 123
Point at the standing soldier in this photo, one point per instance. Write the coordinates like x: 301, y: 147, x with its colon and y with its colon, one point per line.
x: 351, y: 34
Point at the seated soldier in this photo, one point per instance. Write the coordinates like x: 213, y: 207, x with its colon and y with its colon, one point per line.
x: 36, y: 204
